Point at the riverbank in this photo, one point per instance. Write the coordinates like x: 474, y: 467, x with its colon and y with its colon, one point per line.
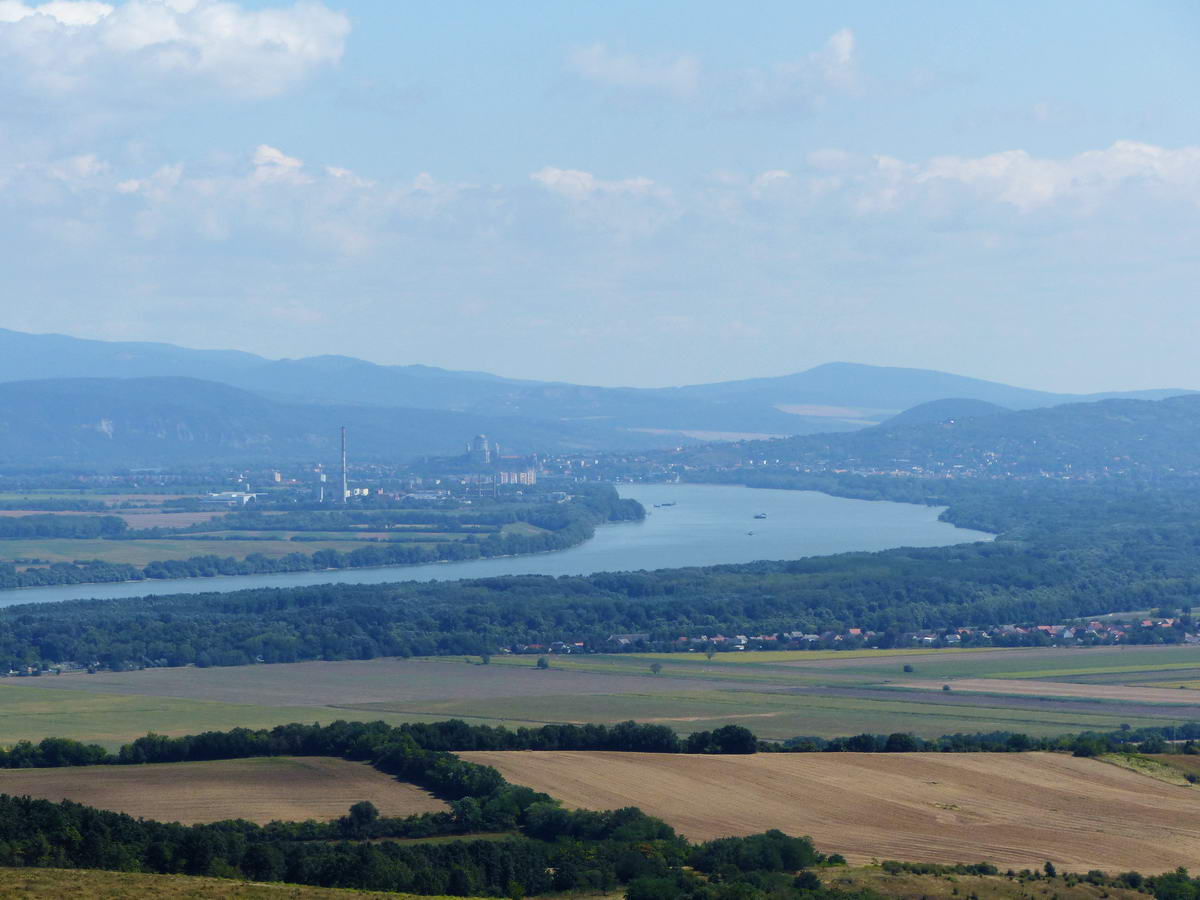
x: 707, y: 525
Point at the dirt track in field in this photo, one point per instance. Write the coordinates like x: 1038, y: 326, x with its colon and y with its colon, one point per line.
x: 1015, y: 810
x: 288, y: 788
x: 1030, y: 688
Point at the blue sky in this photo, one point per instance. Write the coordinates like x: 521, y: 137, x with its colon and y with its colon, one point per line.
x: 613, y: 193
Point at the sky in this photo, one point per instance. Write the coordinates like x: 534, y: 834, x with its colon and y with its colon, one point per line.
x: 642, y: 193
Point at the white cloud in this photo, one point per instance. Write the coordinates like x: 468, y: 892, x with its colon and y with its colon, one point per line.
x: 578, y: 185
x: 835, y: 245
x: 150, y: 47
x: 1083, y: 181
x: 806, y: 83
x: 66, y: 12
x: 677, y: 76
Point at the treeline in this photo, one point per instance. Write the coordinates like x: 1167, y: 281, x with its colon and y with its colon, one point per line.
x: 54, y: 504
x: 358, y: 740
x: 1153, y: 739
x: 565, y: 525
x: 361, y: 740
x: 60, y: 526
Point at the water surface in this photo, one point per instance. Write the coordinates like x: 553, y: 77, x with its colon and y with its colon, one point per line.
x: 706, y: 525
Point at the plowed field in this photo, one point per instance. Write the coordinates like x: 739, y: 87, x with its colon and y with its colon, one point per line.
x: 1015, y: 810
x: 259, y: 790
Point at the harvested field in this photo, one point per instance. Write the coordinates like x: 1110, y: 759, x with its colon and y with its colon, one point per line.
x: 1014, y: 810
x: 1029, y: 688
x: 260, y: 790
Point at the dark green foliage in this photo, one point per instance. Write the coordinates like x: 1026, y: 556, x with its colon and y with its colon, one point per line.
x: 727, y: 739
x: 60, y: 526
x: 894, y: 867
x: 1069, y: 550
x: 772, y: 851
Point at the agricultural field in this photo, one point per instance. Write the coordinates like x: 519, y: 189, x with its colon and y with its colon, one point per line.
x: 237, y: 533
x: 826, y: 695
x: 259, y: 790
x: 28, y: 712
x: 143, y: 552
x: 87, y: 884
x: 1013, y: 810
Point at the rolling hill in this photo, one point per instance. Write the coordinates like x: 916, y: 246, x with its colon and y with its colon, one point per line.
x: 1145, y: 437
x: 149, y: 421
x: 835, y: 397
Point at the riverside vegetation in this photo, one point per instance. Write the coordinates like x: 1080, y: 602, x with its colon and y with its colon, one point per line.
x: 1064, y: 550
x: 351, y: 539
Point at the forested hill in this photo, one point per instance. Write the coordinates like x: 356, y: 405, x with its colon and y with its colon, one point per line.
x: 150, y: 421
x: 833, y: 397
x: 1141, y: 437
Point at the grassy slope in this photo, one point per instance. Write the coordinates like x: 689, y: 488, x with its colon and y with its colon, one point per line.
x: 53, y: 884
x: 985, y: 887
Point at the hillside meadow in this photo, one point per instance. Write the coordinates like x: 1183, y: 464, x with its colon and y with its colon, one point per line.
x: 87, y: 884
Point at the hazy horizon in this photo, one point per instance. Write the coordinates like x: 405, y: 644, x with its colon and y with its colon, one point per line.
x: 633, y: 194
x: 552, y: 378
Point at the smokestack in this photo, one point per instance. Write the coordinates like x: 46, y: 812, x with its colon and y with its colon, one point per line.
x: 344, y: 485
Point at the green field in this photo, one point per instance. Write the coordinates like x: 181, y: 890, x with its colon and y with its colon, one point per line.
x: 823, y: 696
x: 57, y: 884
x: 32, y: 713
x: 235, y: 543
x: 139, y: 553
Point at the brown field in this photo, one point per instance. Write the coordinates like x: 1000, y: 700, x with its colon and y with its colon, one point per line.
x: 153, y: 518
x: 260, y: 790
x: 1014, y: 810
x: 1031, y: 688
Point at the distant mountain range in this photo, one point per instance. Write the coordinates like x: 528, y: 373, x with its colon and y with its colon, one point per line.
x: 149, y: 421
x: 320, y: 392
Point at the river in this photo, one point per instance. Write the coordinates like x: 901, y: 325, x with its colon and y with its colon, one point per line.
x: 706, y: 525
